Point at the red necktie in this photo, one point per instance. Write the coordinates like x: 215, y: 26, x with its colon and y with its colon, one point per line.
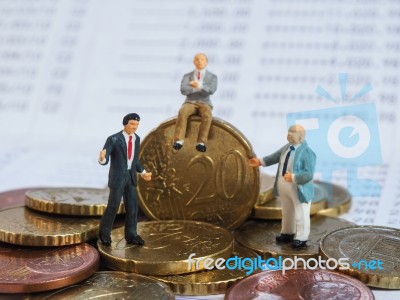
x: 130, y: 147
x: 198, y: 75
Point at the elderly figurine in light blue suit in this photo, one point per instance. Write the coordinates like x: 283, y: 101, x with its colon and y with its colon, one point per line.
x: 293, y: 185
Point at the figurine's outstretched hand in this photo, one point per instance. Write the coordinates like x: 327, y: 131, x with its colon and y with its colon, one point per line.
x: 102, y: 155
x: 254, y: 162
x: 147, y: 176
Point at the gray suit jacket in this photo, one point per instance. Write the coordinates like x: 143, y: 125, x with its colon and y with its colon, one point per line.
x: 116, y: 149
x: 303, y: 169
x: 210, y: 83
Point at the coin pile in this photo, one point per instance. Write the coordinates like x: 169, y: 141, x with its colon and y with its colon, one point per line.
x: 41, y: 251
x: 45, y: 233
x: 369, y: 253
x: 209, y: 228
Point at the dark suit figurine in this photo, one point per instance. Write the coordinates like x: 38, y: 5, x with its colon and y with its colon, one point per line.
x: 123, y: 150
x: 197, y: 86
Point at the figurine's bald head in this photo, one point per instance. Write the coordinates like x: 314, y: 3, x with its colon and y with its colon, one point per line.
x: 296, y: 134
x: 200, y: 60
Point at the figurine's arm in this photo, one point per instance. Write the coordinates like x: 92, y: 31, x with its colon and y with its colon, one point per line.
x: 267, y: 160
x: 209, y: 86
x: 104, y: 155
x: 186, y: 88
x: 139, y: 167
x: 273, y: 158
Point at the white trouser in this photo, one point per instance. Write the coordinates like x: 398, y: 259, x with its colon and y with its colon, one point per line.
x: 295, y: 215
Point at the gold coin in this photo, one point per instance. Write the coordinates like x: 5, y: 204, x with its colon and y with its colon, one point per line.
x: 111, y: 285
x: 215, y: 281
x: 23, y: 226
x: 70, y: 201
x: 339, y: 200
x: 372, y: 252
x: 217, y: 186
x: 269, y: 207
x: 259, y: 236
x: 168, y: 245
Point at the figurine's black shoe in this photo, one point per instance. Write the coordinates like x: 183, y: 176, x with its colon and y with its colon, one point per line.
x: 201, y: 148
x: 177, y: 146
x: 105, y: 242
x: 298, y: 244
x: 136, y: 240
x: 284, y: 238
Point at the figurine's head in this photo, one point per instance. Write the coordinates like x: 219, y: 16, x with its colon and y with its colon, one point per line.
x: 131, y: 123
x: 200, y: 61
x: 296, y: 134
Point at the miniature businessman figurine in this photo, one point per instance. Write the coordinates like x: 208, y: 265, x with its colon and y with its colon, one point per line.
x: 123, y: 150
x: 293, y: 185
x: 197, y: 86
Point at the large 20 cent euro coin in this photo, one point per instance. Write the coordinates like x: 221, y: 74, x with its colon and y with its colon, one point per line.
x: 216, y: 186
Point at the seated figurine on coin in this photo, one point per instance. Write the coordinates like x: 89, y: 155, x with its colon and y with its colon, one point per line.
x: 197, y: 86
x: 293, y: 185
x: 123, y: 149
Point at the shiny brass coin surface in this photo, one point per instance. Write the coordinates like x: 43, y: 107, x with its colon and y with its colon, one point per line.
x: 216, y: 186
x: 259, y: 236
x: 215, y: 281
x: 26, y: 270
x: 70, y: 201
x: 23, y: 226
x: 168, y: 245
x: 299, y: 284
x: 338, y: 202
x: 12, y: 198
x: 269, y: 207
x: 111, y: 285
x: 373, y: 253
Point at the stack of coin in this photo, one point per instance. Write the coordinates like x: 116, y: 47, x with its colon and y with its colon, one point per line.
x: 213, y: 281
x: 329, y: 200
x: 70, y: 201
x: 338, y: 201
x: 259, y: 236
x: 44, y: 242
x: 27, y: 269
x: 23, y: 226
x: 13, y: 198
x: 40, y: 223
x: 168, y: 247
x: 268, y: 207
